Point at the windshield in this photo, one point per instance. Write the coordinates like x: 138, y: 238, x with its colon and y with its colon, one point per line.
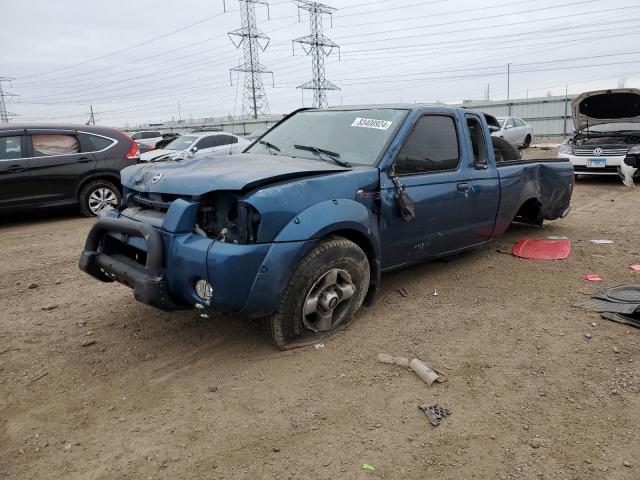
x: 613, y: 127
x: 181, y: 143
x: 355, y: 137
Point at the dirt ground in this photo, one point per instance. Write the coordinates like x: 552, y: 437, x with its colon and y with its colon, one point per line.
x: 177, y: 396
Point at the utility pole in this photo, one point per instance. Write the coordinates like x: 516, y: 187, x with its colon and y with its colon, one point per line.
x: 4, y: 114
x: 487, y: 93
x: 92, y: 117
x: 509, y: 87
x: 179, y: 113
x: 252, y: 40
x: 318, y: 46
x: 566, y: 109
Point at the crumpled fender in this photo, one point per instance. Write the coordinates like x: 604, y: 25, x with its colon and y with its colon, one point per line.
x: 332, y: 215
x: 299, y: 236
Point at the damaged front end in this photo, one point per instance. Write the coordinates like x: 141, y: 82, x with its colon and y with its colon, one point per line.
x: 226, y: 218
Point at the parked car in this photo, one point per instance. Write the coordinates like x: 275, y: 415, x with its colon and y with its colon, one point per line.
x: 59, y: 165
x: 515, y: 131
x: 607, y: 124
x: 323, y: 204
x: 200, y: 143
x: 167, y: 138
x: 148, y: 138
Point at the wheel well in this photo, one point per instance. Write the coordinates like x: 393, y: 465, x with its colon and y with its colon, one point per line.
x: 105, y: 176
x: 530, y: 212
x: 367, y: 247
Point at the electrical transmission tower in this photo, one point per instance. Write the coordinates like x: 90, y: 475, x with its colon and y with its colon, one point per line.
x: 318, y: 46
x: 4, y: 114
x: 252, y: 40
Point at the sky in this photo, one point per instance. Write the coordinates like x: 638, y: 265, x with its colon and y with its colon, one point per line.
x: 150, y: 61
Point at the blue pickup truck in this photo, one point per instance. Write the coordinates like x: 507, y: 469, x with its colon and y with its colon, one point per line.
x: 298, y: 229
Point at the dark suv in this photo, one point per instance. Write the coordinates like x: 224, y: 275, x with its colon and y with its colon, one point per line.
x: 48, y: 165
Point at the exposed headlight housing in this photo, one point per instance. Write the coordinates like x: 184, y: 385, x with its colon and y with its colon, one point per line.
x: 565, y: 149
x: 204, y: 290
x: 634, y: 151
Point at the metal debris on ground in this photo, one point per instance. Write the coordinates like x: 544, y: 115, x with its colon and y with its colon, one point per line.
x: 319, y: 346
x: 555, y: 237
x: 37, y: 378
x: 602, y: 242
x: 424, y: 371
x: 635, y: 268
x: 434, y: 413
x: 403, y: 292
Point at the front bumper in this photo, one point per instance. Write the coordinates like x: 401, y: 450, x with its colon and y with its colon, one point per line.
x: 580, y: 165
x: 162, y: 262
x: 148, y: 283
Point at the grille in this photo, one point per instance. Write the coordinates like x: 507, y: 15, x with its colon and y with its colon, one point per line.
x: 606, y: 152
x: 157, y: 201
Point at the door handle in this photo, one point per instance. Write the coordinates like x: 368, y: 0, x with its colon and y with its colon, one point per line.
x: 464, y: 187
x: 84, y: 160
x: 15, y: 168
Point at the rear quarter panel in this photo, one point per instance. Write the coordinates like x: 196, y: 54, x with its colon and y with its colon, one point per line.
x: 548, y: 181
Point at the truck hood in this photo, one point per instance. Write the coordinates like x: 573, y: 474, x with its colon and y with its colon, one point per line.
x: 620, y: 105
x: 198, y: 176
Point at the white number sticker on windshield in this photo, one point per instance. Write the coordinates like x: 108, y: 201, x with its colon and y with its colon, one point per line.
x: 371, y: 123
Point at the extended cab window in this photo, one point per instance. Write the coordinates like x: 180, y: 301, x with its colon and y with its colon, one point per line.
x: 10, y: 148
x: 47, y: 145
x: 478, y: 141
x: 432, y: 146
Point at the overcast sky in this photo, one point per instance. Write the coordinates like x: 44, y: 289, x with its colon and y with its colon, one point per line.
x: 69, y: 54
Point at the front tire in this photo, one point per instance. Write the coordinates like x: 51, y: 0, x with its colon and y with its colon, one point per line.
x: 97, y: 195
x: 322, y: 296
x: 527, y: 142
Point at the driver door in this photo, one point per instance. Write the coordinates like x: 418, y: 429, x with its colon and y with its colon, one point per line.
x: 432, y: 166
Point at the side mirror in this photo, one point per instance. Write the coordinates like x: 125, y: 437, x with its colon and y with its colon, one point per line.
x: 193, y: 149
x: 507, y: 127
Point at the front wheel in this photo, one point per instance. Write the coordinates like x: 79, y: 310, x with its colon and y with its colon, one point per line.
x: 527, y: 142
x: 323, y: 294
x: 97, y: 195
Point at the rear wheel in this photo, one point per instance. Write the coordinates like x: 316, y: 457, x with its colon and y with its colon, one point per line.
x: 326, y: 289
x: 97, y: 195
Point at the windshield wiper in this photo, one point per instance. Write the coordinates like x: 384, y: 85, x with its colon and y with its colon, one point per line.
x: 270, y: 146
x: 330, y: 156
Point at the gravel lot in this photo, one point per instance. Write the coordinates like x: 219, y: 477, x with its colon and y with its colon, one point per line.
x: 178, y: 396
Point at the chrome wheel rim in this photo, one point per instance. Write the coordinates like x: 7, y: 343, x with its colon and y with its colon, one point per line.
x: 101, y: 198
x: 328, y: 301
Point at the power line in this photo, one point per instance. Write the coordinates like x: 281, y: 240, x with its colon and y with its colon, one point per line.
x: 252, y: 40
x: 318, y: 46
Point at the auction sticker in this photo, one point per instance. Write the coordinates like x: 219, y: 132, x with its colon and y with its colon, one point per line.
x: 371, y: 123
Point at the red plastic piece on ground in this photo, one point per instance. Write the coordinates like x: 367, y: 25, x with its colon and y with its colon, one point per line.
x: 542, y: 249
x: 635, y: 268
x: 592, y: 278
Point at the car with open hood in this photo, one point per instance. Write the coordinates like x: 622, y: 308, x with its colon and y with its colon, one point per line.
x: 607, y: 125
x: 298, y: 228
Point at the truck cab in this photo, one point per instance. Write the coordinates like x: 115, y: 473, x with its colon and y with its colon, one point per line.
x: 299, y: 228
